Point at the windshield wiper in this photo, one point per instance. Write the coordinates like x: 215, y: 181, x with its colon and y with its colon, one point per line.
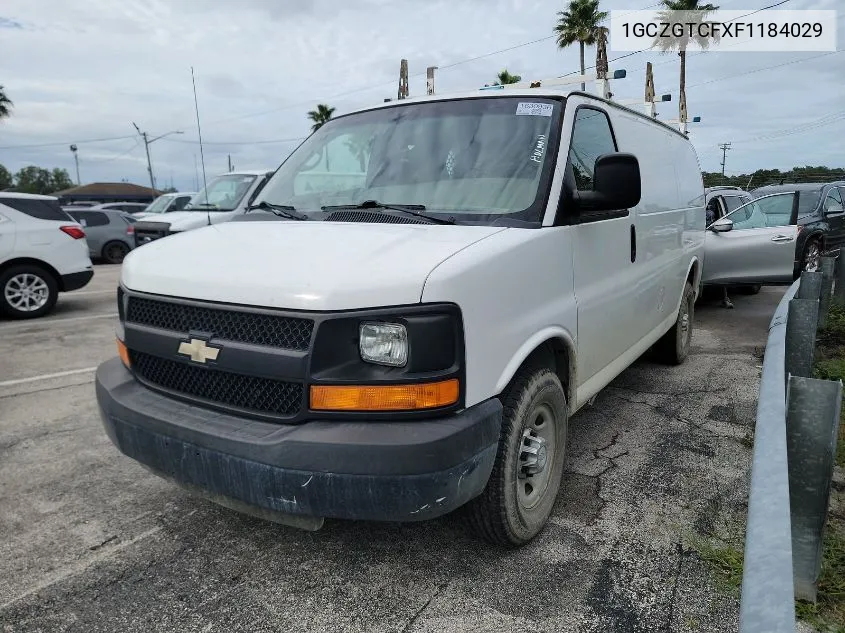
x: 282, y: 210
x: 410, y: 209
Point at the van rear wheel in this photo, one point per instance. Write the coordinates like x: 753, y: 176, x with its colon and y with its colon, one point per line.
x: 673, y: 348
x: 524, y: 484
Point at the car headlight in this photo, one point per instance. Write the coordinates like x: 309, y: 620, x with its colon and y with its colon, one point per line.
x: 384, y: 344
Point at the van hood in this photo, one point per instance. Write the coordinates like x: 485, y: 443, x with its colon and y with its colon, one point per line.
x: 298, y: 265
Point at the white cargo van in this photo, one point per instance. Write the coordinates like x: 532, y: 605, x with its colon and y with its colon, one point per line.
x: 429, y: 290
x: 226, y: 196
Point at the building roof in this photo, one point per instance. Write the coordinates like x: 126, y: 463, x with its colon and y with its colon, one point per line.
x: 108, y: 189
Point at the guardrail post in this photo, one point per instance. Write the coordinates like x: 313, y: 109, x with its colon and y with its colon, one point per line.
x: 828, y: 282
x: 801, y: 323
x: 810, y: 286
x: 839, y: 287
x: 812, y: 426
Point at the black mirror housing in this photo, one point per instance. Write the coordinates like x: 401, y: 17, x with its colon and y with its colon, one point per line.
x: 617, y: 184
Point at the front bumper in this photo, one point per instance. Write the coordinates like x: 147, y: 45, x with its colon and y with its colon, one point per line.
x: 75, y: 281
x: 380, y: 471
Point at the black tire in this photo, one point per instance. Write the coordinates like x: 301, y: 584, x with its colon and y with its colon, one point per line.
x: 504, y: 514
x: 751, y: 290
x: 40, y: 282
x: 811, y: 257
x: 673, y: 348
x: 114, y: 252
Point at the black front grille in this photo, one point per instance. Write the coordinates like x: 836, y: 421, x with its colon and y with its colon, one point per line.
x: 245, y: 327
x: 246, y: 393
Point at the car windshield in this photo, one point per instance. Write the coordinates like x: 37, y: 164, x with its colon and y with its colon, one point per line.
x: 224, y: 193
x: 477, y: 160
x: 159, y: 205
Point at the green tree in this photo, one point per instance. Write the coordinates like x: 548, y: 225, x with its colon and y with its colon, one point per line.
x: 579, y: 23
x: 683, y: 13
x: 320, y: 116
x: 5, y: 104
x: 505, y: 78
x: 6, y: 180
x: 33, y: 179
x: 60, y: 180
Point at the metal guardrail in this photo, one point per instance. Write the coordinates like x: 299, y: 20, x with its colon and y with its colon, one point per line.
x: 792, y: 465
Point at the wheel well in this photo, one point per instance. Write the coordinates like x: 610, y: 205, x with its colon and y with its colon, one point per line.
x: 21, y: 261
x: 555, y: 354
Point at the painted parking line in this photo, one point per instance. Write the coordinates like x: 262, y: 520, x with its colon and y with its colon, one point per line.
x: 23, y: 324
x: 60, y: 374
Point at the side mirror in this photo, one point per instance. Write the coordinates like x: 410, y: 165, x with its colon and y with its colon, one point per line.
x: 722, y: 225
x: 834, y: 210
x: 616, y: 184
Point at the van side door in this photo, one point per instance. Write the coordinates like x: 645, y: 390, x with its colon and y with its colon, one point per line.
x: 604, y: 251
x: 755, y: 244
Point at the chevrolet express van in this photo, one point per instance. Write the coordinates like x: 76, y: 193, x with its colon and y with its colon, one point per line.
x: 422, y: 296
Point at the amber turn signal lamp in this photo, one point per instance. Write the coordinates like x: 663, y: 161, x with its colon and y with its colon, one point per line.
x: 385, y: 397
x: 123, y: 352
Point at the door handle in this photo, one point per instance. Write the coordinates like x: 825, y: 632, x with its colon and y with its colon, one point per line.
x: 633, y: 244
x: 782, y: 238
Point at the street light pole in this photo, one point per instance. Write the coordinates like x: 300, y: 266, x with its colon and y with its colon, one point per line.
x: 147, y: 142
x: 73, y: 149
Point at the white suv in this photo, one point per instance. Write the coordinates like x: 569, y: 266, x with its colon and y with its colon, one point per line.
x: 42, y: 252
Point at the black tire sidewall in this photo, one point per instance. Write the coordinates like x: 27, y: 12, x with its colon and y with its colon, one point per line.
x: 542, y: 387
x: 112, y: 244
x: 7, y: 310
x: 682, y: 351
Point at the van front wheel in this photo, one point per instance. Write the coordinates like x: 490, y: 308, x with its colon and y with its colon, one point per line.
x: 674, y: 347
x: 525, y: 481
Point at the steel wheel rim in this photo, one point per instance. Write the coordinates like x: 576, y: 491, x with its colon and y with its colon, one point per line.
x: 537, y: 451
x: 685, y: 323
x: 811, y: 261
x: 116, y: 252
x: 26, y: 292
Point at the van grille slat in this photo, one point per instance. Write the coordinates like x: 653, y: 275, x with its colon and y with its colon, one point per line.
x: 244, y: 327
x: 247, y: 393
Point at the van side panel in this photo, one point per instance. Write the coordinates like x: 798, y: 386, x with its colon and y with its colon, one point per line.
x: 515, y: 287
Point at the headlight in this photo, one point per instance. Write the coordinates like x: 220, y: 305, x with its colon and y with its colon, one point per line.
x: 384, y: 344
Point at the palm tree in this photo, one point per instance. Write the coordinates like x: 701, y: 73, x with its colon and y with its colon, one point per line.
x: 360, y: 149
x: 320, y: 116
x: 505, y: 78
x: 5, y: 105
x: 579, y: 23
x: 693, y: 12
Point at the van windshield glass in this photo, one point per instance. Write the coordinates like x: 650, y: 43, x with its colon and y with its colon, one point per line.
x: 477, y: 160
x: 158, y: 205
x: 224, y: 193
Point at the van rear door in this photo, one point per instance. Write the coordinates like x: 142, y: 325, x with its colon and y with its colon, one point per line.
x: 754, y: 244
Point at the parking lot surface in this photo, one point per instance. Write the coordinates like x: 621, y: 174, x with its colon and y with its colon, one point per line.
x: 93, y: 542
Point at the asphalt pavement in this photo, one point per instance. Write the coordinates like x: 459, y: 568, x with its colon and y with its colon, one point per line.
x: 92, y: 542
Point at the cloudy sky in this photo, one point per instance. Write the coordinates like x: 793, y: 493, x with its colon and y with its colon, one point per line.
x: 79, y: 72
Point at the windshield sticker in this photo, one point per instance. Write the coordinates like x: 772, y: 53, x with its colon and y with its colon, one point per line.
x: 539, y: 149
x: 534, y: 109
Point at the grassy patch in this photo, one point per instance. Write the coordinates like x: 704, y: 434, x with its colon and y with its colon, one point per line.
x: 830, y: 362
x: 723, y: 559
x: 828, y: 614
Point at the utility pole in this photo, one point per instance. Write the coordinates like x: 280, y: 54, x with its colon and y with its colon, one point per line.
x: 724, y: 147
x: 403, y: 79
x: 73, y: 149
x: 429, y: 79
x: 147, y: 142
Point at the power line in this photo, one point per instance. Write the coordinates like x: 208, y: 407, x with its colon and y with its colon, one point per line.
x: 758, y: 70
x: 90, y: 140
x: 266, y: 142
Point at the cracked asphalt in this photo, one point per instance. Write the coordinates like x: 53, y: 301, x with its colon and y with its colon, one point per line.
x: 92, y: 542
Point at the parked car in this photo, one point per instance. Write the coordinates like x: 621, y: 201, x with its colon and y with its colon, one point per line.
x: 719, y: 201
x: 42, y: 253
x: 167, y: 203
x: 227, y: 196
x: 821, y: 220
x: 108, y: 232
x: 128, y: 207
x: 754, y: 244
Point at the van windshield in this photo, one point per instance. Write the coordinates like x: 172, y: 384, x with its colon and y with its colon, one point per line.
x: 224, y: 193
x: 158, y: 205
x: 476, y: 160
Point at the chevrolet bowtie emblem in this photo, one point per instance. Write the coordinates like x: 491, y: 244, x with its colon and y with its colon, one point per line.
x: 198, y: 350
